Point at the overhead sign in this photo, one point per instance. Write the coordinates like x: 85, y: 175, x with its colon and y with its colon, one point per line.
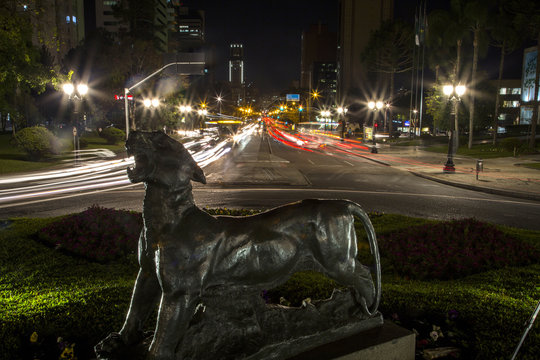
x: 293, y: 97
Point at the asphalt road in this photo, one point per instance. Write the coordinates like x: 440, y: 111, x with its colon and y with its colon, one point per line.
x: 262, y: 173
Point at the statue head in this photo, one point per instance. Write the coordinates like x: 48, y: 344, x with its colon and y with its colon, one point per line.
x: 159, y: 159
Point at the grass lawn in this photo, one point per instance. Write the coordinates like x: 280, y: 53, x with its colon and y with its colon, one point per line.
x: 532, y: 166
x: 55, y: 294
x: 14, y: 160
x: 483, y: 151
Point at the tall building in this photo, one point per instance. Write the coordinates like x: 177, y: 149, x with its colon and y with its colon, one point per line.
x: 153, y: 15
x: 318, y: 62
x: 236, y: 73
x: 187, y: 33
x: 236, y: 65
x: 102, y: 14
x: 58, y: 25
x: 357, y: 19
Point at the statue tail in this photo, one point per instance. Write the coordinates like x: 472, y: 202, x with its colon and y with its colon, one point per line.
x: 357, y: 210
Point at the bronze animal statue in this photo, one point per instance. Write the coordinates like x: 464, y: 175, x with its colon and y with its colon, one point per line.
x: 184, y: 251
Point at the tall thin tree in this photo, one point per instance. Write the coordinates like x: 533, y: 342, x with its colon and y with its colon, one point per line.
x: 477, y: 17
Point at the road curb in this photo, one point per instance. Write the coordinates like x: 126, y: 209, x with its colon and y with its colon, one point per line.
x: 509, y: 193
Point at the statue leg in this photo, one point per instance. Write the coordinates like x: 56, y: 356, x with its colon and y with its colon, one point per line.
x: 145, y: 296
x: 175, y: 313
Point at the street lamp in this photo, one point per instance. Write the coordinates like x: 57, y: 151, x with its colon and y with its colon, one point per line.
x: 76, y: 93
x: 454, y: 94
x: 151, y: 103
x: 387, y: 124
x: 326, y: 118
x: 219, y: 99
x: 375, y: 106
x: 185, y: 110
x: 202, y: 113
x: 342, y: 111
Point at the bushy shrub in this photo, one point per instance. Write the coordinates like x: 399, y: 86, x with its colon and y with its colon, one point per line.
x: 36, y: 141
x: 97, y: 233
x: 453, y: 249
x: 113, y: 135
x: 513, y: 144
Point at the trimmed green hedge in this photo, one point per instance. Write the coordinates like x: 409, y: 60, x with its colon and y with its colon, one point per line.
x: 37, y: 141
x: 54, y: 294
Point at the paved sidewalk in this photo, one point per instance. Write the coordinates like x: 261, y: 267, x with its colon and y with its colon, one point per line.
x: 503, y: 176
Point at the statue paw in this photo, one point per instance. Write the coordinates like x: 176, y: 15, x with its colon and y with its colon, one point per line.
x: 110, y: 348
x: 117, y: 347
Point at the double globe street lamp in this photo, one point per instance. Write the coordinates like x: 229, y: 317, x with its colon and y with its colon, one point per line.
x: 151, y: 103
x: 77, y: 93
x: 342, y: 111
x: 454, y: 94
x: 375, y: 106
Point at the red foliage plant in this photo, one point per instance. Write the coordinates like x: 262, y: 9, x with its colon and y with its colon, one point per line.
x: 453, y: 249
x: 97, y: 233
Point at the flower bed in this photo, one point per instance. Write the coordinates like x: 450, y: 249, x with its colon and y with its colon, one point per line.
x: 97, y: 234
x: 453, y: 249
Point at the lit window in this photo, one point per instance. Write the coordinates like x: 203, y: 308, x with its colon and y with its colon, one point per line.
x: 502, y: 91
x: 512, y: 104
x: 68, y: 19
x: 74, y: 19
x: 516, y: 91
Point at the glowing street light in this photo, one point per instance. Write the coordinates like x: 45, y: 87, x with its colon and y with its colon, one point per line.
x: 151, y: 103
x: 375, y: 106
x: 454, y: 94
x: 219, y: 99
x: 68, y: 89
x: 82, y: 90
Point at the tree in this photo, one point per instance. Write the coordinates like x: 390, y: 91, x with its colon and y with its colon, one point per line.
x: 22, y: 68
x: 447, y: 29
x: 389, y: 50
x: 527, y: 19
x: 477, y: 17
x: 504, y: 36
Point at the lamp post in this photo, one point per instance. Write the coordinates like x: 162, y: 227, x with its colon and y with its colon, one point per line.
x: 375, y: 106
x: 315, y: 96
x: 219, y: 99
x: 185, y: 110
x: 454, y: 94
x: 387, y: 124
x: 326, y: 116
x: 342, y: 111
x: 76, y: 93
x: 202, y: 113
x: 151, y: 103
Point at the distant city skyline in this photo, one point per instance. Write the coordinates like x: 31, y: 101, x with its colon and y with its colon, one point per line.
x: 271, y: 35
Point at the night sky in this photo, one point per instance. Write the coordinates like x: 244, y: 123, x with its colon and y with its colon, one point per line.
x: 271, y: 30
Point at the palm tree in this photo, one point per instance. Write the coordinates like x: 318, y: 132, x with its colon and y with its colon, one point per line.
x: 505, y: 37
x: 476, y: 16
x: 448, y: 29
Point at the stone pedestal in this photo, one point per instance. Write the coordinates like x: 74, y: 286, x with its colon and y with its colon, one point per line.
x: 387, y: 342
